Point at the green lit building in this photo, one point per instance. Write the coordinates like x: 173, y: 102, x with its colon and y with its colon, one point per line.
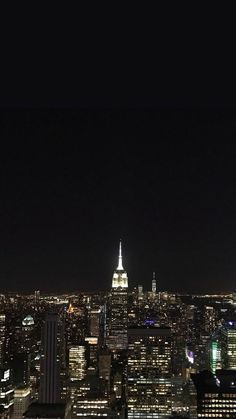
x: 215, y: 355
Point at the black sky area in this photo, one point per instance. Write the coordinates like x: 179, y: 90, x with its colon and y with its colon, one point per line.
x: 73, y: 182
x: 118, y: 129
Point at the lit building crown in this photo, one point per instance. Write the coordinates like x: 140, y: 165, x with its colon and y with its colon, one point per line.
x: 28, y: 321
x: 120, y: 278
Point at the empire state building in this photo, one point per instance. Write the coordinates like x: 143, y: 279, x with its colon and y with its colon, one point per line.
x: 118, y: 307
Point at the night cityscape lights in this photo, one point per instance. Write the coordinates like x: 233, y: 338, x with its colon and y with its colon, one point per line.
x: 118, y: 213
x: 124, y: 353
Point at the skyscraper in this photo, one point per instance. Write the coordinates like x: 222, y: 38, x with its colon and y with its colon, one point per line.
x: 104, y: 364
x: 228, y: 346
x: 154, y: 284
x: 51, y: 360
x: 21, y: 401
x: 20, y: 365
x: 118, y: 307
x: 149, y: 372
x: 94, y: 321
x: 215, y: 354
x: 27, y: 330
x: 36, y: 296
x: 77, y: 363
x: 6, y: 392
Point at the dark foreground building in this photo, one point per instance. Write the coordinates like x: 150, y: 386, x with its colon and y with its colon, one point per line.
x: 216, y: 394
x: 49, y: 411
x: 51, y: 360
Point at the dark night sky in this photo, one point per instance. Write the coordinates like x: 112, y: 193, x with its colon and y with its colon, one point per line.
x: 74, y: 182
x: 122, y: 130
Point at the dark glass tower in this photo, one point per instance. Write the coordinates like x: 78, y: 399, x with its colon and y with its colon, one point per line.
x: 51, y: 360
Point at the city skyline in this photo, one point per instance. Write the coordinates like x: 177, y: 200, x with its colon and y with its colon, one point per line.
x: 123, y: 353
x: 151, y: 286
x: 118, y: 218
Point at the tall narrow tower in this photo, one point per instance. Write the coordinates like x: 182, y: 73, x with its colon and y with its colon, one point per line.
x: 154, y: 283
x: 51, y: 360
x: 118, y: 306
x: 120, y: 278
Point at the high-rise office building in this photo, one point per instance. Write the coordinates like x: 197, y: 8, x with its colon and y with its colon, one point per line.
x: 91, y: 399
x: 77, y: 370
x: 6, y: 392
x: 77, y: 363
x: 21, y: 401
x: 154, y: 284
x: 140, y: 289
x: 209, y: 319
x: 36, y: 296
x: 27, y: 331
x: 92, y: 350
x: 2, y: 337
x: 140, y: 292
x: 52, y: 359
x: 118, y: 307
x: 104, y: 365
x: 215, y: 354
x: 23, y: 352
x: 94, y: 321
x: 149, y: 372
x: 20, y: 365
x: 228, y: 346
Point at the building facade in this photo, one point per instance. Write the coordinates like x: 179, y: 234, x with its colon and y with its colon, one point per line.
x: 149, y: 388
x: 21, y: 401
x: 216, y: 394
x: 77, y: 363
x: 228, y: 345
x: 6, y: 392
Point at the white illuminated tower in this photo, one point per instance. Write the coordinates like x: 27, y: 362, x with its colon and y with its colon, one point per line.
x: 118, y: 304
x: 120, y: 278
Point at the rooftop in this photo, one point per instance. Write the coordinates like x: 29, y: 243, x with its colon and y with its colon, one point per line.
x: 46, y: 410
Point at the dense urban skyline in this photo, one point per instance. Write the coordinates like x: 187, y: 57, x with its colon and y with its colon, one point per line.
x: 118, y: 217
x: 74, y: 182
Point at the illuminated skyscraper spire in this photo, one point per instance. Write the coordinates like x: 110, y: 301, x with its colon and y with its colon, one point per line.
x: 120, y: 278
x: 120, y: 266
